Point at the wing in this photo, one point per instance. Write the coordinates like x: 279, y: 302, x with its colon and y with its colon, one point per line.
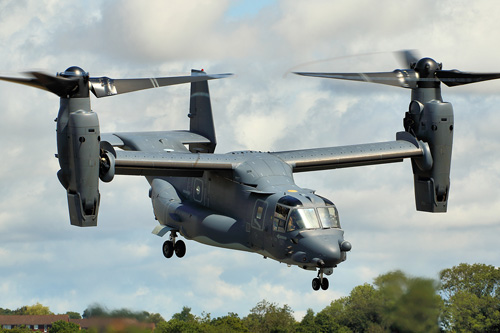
x: 405, y: 146
x: 147, y: 157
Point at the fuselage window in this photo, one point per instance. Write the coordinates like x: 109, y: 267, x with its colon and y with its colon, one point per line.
x: 260, y: 209
x: 280, y: 216
x: 302, y: 218
x: 329, y: 217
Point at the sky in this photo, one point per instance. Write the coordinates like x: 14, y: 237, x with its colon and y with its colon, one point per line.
x: 119, y: 263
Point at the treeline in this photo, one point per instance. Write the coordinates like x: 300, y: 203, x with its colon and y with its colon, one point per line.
x: 466, y: 298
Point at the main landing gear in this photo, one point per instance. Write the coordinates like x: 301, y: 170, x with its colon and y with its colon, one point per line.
x: 320, y: 281
x: 171, y: 246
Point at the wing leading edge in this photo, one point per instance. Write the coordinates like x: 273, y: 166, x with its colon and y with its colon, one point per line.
x: 143, y: 163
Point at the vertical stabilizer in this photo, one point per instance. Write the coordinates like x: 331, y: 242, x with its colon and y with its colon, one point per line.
x: 200, y: 114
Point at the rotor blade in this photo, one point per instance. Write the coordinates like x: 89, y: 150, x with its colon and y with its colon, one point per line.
x: 407, y: 57
x: 105, y: 86
x: 398, y: 78
x: 455, y: 77
x: 57, y: 85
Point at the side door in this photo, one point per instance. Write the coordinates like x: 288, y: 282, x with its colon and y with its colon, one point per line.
x: 258, y: 224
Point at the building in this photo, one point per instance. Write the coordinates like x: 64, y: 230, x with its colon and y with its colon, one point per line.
x: 34, y: 322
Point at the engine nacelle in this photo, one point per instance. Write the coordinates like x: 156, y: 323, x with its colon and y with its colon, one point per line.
x: 84, y: 164
x: 432, y: 122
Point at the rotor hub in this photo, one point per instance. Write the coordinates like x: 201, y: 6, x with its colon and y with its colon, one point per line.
x: 427, y: 67
x: 74, y: 71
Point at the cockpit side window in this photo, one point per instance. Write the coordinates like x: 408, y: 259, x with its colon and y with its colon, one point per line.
x: 279, y: 219
x: 302, y: 218
x: 329, y: 217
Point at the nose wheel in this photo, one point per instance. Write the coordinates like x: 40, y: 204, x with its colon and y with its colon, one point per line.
x: 320, y: 281
x: 171, y: 246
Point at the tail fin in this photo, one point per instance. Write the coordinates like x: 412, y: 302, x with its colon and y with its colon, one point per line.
x: 200, y: 113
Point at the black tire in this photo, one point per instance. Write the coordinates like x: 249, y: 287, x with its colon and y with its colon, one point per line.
x: 180, y: 249
x: 168, y: 249
x: 325, y: 284
x: 316, y: 283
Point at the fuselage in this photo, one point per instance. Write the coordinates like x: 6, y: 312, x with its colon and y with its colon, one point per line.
x: 256, y: 208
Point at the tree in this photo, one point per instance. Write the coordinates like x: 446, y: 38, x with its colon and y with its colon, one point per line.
x: 355, y: 313
x: 230, y: 323
x: 185, y: 315
x: 472, y: 298
x: 38, y: 309
x: 95, y: 310
x: 362, y: 308
x: 396, y: 303
x: 308, y: 323
x: 268, y: 317
x: 409, y: 304
x: 176, y: 325
x: 62, y: 326
x: 73, y: 315
x: 155, y: 318
x: 478, y: 279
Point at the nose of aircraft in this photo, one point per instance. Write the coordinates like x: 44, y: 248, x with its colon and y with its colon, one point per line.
x: 322, y: 248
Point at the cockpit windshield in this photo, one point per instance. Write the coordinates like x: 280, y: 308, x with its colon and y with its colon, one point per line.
x: 302, y: 218
x: 329, y: 217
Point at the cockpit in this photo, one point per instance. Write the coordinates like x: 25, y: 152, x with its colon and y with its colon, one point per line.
x: 291, y: 215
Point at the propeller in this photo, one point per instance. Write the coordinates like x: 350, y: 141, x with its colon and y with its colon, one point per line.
x: 75, y: 82
x: 422, y: 73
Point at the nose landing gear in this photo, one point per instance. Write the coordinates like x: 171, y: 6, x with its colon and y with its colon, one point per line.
x: 320, y: 281
x: 171, y: 246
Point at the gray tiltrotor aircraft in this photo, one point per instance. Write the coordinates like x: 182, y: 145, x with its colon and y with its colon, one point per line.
x: 245, y: 200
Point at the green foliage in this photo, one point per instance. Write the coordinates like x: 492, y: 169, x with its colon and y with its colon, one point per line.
x: 73, y: 315
x: 95, y: 310
x: 308, y: 323
x: 268, y: 317
x: 155, y: 318
x: 62, y: 326
x: 396, y: 303
x: 354, y: 313
x: 21, y: 329
x: 185, y: 315
x: 230, y: 323
x: 363, y: 307
x: 37, y: 309
x: 176, y: 325
x: 472, y: 298
x: 99, y: 311
x: 409, y: 304
x: 19, y: 311
x: 478, y: 279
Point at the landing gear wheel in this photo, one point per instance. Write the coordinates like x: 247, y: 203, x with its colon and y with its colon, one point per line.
x: 168, y: 249
x: 325, y: 284
x: 316, y: 283
x: 180, y: 249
